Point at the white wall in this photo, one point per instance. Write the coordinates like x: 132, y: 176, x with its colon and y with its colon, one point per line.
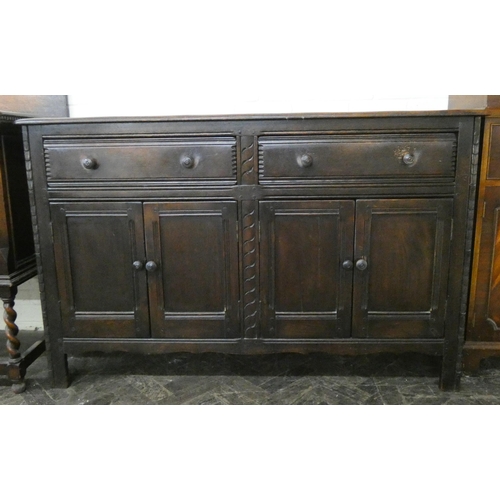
x: 214, y: 101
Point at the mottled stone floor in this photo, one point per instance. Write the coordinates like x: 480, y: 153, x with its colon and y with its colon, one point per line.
x: 289, y: 379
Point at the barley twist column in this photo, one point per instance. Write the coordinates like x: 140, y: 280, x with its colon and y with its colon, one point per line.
x: 13, y: 343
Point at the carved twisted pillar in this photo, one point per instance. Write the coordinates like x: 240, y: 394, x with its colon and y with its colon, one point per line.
x: 250, y: 292
x: 249, y: 209
x: 13, y: 344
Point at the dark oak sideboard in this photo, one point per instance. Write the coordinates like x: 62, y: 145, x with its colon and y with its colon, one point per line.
x: 346, y: 234
x: 17, y: 253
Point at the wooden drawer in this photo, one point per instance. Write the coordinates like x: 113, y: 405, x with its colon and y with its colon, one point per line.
x: 311, y: 158
x: 177, y: 160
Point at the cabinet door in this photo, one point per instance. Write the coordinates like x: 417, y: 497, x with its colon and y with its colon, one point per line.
x: 96, y: 245
x: 305, y: 290
x: 484, y: 320
x: 194, y: 287
x: 401, y: 252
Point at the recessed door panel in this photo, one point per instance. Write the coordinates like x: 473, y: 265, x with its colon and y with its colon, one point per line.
x: 401, y: 257
x: 194, y: 284
x: 101, y: 293
x: 493, y: 147
x: 306, y: 292
x: 484, y: 322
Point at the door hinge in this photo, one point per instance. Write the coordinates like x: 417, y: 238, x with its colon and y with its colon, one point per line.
x: 451, y: 230
x: 258, y: 231
x: 484, y: 209
x: 237, y: 232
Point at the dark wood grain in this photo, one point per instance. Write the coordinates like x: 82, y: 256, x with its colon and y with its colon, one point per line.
x: 388, y: 155
x: 406, y: 244
x: 306, y: 293
x: 101, y: 294
x: 116, y: 159
x: 343, y: 233
x: 194, y: 290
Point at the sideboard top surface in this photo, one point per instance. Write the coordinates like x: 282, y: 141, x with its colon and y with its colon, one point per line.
x: 262, y: 117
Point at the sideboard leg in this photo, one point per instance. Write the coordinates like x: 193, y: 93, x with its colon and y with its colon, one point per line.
x: 15, y: 367
x: 450, y: 375
x: 60, y: 372
x: 58, y: 364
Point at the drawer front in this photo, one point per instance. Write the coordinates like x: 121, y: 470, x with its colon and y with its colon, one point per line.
x: 186, y: 160
x: 310, y: 158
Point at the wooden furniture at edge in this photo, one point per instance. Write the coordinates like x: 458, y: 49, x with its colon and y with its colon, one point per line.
x: 17, y: 253
x: 482, y: 338
x: 345, y: 234
x: 17, y: 257
x: 35, y: 105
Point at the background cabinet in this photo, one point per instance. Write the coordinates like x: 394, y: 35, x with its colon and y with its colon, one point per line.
x: 17, y: 252
x: 483, y: 326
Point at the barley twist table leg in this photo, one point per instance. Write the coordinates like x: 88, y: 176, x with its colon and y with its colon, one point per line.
x: 13, y: 344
